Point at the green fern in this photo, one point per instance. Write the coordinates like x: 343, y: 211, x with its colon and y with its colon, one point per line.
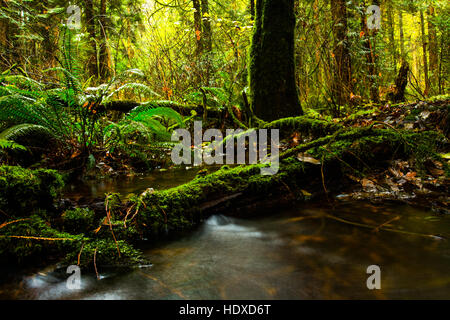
x: 10, y: 145
x: 26, y: 131
x: 216, y: 97
x: 139, y: 87
x: 160, y: 112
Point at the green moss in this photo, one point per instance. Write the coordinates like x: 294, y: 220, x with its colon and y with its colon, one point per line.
x: 106, y: 254
x: 78, y: 220
x: 31, y: 240
x: 22, y: 191
x: 272, y: 83
x: 121, y: 231
x: 305, y: 125
x: 181, y: 207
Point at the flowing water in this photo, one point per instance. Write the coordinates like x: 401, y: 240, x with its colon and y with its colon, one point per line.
x: 312, y: 251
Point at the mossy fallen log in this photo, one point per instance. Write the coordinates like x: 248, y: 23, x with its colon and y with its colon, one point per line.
x: 304, y: 125
x: 126, y: 106
x: 356, y: 150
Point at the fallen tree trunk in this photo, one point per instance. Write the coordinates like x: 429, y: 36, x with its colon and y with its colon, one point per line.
x: 126, y: 106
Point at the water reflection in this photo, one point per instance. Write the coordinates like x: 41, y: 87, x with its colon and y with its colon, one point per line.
x: 131, y: 184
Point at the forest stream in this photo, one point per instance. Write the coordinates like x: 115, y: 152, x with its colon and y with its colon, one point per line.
x: 300, y: 253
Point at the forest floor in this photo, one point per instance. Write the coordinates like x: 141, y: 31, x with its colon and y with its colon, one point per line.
x: 400, y: 181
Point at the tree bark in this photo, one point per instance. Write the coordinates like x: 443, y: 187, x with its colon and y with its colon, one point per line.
x: 206, y: 26
x: 402, y: 36
x: 391, y: 31
x: 371, y: 59
x: 425, y: 59
x: 92, y: 64
x: 400, y: 83
x: 6, y: 44
x: 104, y: 63
x: 433, y: 51
x: 342, y: 84
x: 198, y: 27
x: 272, y: 68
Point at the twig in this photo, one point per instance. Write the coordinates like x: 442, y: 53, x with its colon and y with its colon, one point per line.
x: 38, y: 238
x: 95, y: 264
x: 79, y: 254
x: 385, y: 229
x: 11, y: 222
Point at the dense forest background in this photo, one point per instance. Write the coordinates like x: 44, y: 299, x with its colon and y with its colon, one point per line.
x: 183, y: 45
x: 102, y: 81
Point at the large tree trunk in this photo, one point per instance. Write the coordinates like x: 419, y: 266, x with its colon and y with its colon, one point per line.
x: 342, y: 85
x: 92, y: 65
x: 400, y: 84
x: 198, y: 27
x: 272, y: 67
x: 402, y: 36
x: 433, y: 51
x: 4, y: 41
x: 391, y: 31
x: 206, y: 26
x: 104, y: 59
x: 8, y: 51
x: 425, y: 60
x: 371, y: 58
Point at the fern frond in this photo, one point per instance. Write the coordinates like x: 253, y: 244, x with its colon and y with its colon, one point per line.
x: 141, y: 88
x: 161, y: 112
x: 25, y: 131
x: 216, y: 97
x: 21, y: 81
x: 157, y: 104
x: 71, y: 80
x: 10, y: 145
